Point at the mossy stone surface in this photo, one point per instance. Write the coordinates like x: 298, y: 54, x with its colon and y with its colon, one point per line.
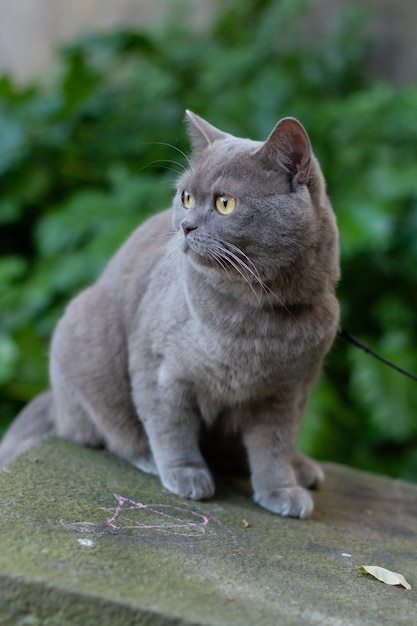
x: 87, y: 539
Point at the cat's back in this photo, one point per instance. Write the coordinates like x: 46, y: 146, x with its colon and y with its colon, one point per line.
x: 129, y: 271
x: 139, y: 254
x: 114, y: 298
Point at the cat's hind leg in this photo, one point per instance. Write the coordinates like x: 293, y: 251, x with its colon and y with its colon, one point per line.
x: 90, y: 381
x: 308, y: 473
x: 72, y: 420
x: 101, y: 426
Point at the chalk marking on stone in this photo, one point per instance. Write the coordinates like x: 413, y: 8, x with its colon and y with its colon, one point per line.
x: 174, y: 523
x: 86, y: 542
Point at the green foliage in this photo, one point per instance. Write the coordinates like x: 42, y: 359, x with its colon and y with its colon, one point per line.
x: 89, y: 155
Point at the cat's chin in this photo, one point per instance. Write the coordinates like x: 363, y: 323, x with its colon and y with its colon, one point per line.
x: 199, y: 259
x: 210, y: 267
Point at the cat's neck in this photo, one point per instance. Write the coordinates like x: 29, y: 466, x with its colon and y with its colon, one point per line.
x: 217, y: 295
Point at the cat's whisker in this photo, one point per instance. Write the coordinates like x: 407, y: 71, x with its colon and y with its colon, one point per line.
x: 172, y: 255
x: 250, y: 271
x: 265, y: 287
x: 245, y: 278
x: 217, y: 257
x: 161, y: 162
x: 228, y: 255
x: 255, y: 274
x: 170, y: 145
x: 245, y: 256
x: 240, y: 267
x: 167, y: 233
x: 164, y: 181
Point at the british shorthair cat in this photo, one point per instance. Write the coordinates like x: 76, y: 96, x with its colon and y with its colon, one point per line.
x: 218, y: 311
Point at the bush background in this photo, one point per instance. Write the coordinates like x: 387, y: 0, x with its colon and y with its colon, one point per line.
x: 91, y: 152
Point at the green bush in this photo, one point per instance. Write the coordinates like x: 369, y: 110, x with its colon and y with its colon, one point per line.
x: 89, y: 155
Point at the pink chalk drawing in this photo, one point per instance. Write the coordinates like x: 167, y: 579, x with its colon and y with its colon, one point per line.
x: 163, y: 518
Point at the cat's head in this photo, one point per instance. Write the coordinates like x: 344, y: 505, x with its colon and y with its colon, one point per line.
x: 253, y: 210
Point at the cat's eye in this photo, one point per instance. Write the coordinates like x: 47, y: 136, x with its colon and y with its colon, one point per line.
x: 225, y: 204
x: 187, y: 200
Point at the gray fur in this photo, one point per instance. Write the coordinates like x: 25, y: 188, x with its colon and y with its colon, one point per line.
x: 208, y: 318
x: 34, y: 422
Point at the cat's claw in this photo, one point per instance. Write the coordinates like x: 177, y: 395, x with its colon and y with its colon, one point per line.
x: 189, y: 482
x: 286, y: 501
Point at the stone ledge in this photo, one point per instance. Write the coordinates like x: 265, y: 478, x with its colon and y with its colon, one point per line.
x: 87, y: 539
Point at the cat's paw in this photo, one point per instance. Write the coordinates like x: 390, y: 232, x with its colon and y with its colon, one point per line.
x: 308, y: 473
x: 286, y: 501
x: 189, y: 482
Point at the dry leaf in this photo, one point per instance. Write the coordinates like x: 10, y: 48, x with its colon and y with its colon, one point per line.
x: 385, y: 575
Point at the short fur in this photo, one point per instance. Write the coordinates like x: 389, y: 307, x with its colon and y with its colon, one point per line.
x: 206, y: 319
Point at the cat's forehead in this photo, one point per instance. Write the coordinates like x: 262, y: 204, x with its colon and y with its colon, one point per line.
x: 228, y: 157
x: 230, y: 161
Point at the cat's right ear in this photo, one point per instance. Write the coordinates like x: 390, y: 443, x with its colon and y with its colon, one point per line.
x: 201, y: 133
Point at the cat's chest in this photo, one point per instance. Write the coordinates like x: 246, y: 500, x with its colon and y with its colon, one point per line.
x: 223, y: 352
x: 232, y: 369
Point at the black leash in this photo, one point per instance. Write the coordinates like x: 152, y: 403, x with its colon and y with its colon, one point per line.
x: 356, y: 342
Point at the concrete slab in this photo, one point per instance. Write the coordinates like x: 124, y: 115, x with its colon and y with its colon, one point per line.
x: 87, y: 539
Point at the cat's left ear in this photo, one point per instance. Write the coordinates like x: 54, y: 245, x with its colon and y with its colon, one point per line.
x: 288, y: 147
x: 201, y: 133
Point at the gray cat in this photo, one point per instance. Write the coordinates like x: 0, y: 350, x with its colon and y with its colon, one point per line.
x: 218, y: 311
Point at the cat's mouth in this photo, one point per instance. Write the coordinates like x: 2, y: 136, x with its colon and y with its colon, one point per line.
x: 199, y: 254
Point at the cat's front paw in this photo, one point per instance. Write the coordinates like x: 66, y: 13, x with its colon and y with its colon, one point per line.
x: 286, y: 501
x: 147, y: 464
x: 308, y: 473
x: 189, y: 482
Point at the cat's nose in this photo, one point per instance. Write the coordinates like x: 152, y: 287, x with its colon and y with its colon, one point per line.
x: 187, y: 227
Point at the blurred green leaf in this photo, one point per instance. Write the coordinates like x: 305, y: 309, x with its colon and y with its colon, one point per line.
x: 12, y: 141
x: 93, y: 150
x: 9, y: 355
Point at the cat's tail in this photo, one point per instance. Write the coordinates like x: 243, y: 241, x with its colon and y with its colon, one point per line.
x: 32, y: 424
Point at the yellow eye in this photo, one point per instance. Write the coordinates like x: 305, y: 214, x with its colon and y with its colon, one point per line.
x: 225, y: 204
x: 187, y: 200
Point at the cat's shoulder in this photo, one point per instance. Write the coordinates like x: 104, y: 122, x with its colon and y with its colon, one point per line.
x: 152, y: 230
x: 143, y: 247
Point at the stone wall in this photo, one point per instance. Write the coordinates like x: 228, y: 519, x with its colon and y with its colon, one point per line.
x: 392, y: 27
x: 31, y: 29
x: 88, y: 539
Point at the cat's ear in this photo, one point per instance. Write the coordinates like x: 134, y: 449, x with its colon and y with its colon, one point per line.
x: 201, y: 133
x: 289, y: 148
